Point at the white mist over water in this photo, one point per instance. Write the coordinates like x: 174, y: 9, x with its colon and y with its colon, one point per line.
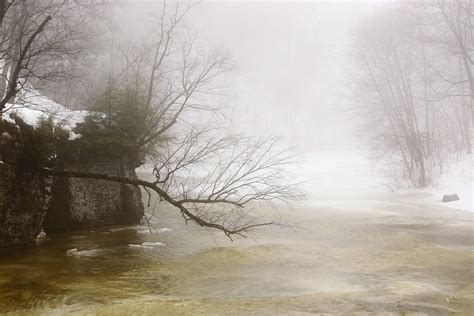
x: 293, y: 60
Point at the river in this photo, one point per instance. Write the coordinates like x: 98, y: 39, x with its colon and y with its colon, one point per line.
x: 340, y: 252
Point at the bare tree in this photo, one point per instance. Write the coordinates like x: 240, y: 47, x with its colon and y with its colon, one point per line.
x: 388, y: 68
x: 211, y: 177
x: 38, y: 40
x: 178, y: 75
x: 411, y: 83
x: 446, y: 27
x: 214, y: 181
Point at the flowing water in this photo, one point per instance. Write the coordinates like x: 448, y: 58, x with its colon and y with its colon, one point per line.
x: 346, y: 253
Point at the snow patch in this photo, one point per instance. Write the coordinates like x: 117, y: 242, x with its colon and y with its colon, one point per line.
x: 32, y: 106
x: 331, y: 171
x: 457, y: 179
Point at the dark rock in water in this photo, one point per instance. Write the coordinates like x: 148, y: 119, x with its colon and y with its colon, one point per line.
x: 450, y: 198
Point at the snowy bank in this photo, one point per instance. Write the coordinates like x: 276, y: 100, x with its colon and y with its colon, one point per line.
x: 457, y: 179
x: 341, y: 171
x: 32, y: 106
x: 330, y: 171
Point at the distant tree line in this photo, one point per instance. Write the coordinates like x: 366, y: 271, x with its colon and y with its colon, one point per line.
x: 413, y: 80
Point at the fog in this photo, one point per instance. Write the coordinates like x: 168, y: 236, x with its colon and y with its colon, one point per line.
x: 291, y: 59
x: 236, y: 157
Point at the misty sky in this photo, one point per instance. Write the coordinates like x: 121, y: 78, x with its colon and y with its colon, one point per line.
x: 292, y: 59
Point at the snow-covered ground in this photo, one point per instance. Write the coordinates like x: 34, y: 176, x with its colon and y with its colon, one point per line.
x: 338, y: 171
x: 457, y: 179
x: 31, y: 106
x: 351, y: 172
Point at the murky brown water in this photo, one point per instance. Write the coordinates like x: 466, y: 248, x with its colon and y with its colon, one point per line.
x: 346, y: 254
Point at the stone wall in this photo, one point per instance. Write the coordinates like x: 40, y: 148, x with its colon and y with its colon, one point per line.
x: 22, y: 191
x: 29, y: 202
x: 87, y: 203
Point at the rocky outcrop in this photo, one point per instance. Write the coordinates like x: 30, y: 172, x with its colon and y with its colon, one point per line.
x: 29, y: 202
x: 22, y: 190
x: 87, y: 203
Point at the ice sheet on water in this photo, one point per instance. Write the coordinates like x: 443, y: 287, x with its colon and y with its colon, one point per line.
x: 82, y: 253
x: 164, y: 230
x: 153, y: 244
x: 159, y: 231
x: 140, y: 246
x: 147, y: 245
